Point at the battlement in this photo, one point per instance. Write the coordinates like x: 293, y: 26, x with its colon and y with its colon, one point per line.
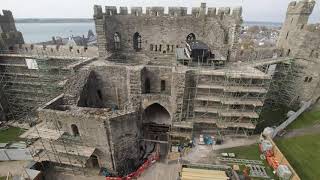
x: 172, y: 11
x: 6, y: 16
x: 301, y: 7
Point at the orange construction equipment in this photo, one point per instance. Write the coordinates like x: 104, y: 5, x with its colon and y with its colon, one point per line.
x: 273, y: 162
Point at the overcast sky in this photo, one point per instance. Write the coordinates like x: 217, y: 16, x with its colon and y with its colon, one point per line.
x: 253, y: 10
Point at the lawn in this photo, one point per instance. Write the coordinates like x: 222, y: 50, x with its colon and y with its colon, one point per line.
x: 303, y: 153
x: 245, y: 152
x: 252, y: 153
x: 307, y: 119
x: 11, y: 134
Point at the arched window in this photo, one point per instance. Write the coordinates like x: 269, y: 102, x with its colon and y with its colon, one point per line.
x: 137, y: 41
x: 191, y: 37
x: 75, y: 130
x: 147, y: 86
x: 116, y: 38
x: 288, y: 52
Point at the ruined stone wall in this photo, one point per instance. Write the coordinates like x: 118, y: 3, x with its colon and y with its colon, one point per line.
x: 55, y: 50
x: 125, y: 145
x: 109, y: 85
x: 156, y: 74
x: 217, y: 28
x: 91, y: 129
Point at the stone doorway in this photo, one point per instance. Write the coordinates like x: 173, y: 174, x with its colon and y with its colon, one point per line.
x: 156, y: 123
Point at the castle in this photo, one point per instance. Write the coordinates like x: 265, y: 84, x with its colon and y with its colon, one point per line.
x: 155, y: 78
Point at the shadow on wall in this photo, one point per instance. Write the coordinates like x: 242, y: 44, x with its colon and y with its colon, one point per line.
x: 157, y: 114
x: 91, y: 95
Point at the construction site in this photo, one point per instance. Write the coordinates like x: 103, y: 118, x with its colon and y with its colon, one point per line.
x: 157, y: 81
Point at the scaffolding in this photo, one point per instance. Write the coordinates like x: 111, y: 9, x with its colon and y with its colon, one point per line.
x: 26, y: 87
x: 229, y: 99
x: 28, y: 83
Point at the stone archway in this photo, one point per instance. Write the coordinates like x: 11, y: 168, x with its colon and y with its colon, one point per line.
x: 94, y: 161
x: 156, y: 121
x: 156, y: 114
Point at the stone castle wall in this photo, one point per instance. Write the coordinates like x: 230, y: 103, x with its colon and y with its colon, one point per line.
x: 301, y: 41
x: 91, y: 129
x: 164, y: 32
x: 72, y: 52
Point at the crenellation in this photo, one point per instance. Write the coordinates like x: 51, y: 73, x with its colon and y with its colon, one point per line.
x: 212, y: 12
x: 237, y: 12
x: 155, y: 11
x: 224, y: 11
x: 111, y: 10
x: 178, y: 11
x: 301, y: 7
x: 172, y: 11
x: 124, y: 11
x: 136, y: 11
x: 98, y: 13
x: 195, y: 12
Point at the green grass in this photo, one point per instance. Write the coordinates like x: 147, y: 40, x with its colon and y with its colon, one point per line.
x: 10, y: 135
x: 245, y: 152
x: 252, y: 153
x: 303, y: 153
x: 307, y: 119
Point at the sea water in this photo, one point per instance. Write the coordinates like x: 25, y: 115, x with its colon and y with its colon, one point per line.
x: 40, y: 32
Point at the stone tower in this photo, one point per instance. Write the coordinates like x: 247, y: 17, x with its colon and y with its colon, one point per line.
x: 297, y: 17
x: 301, y: 41
x: 9, y: 36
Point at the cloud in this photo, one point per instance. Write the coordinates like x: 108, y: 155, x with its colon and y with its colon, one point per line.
x: 253, y: 10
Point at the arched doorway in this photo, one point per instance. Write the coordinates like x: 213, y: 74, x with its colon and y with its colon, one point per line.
x: 94, y: 161
x: 156, y: 126
x: 75, y: 130
x: 156, y: 114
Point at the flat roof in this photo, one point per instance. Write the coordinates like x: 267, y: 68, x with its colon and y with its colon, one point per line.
x: 202, y: 174
x: 42, y: 131
x: 237, y: 72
